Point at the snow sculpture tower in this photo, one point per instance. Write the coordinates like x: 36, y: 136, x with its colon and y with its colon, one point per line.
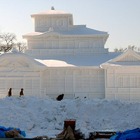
x: 56, y: 35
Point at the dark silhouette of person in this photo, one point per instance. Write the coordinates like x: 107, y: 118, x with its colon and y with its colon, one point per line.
x: 60, y: 97
x: 21, y: 92
x: 10, y: 92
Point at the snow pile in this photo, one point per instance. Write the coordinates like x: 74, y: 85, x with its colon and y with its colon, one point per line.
x: 44, y: 116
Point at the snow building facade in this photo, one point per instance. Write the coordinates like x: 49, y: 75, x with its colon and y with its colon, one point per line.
x: 63, y: 58
x: 56, y: 35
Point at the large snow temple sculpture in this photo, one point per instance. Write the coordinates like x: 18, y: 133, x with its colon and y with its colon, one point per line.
x: 63, y: 58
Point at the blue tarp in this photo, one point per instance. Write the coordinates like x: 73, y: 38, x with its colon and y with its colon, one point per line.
x: 4, y: 129
x: 133, y: 134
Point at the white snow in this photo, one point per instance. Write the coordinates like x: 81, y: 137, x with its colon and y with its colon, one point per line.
x: 45, y: 116
x: 77, y: 60
x: 54, y: 63
x: 51, y: 12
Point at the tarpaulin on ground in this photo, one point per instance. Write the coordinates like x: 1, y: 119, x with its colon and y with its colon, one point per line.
x: 133, y: 134
x: 3, y: 130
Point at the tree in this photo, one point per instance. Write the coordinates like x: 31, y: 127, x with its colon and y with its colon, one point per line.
x: 132, y: 47
x: 7, y: 41
x: 21, y: 46
x: 119, y: 50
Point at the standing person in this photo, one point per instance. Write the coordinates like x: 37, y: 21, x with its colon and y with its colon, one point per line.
x: 21, y: 92
x: 10, y: 92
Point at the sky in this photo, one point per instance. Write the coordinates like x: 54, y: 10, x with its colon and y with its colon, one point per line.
x: 120, y: 18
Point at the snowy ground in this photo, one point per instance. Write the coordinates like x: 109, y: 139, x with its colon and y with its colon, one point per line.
x: 44, y: 116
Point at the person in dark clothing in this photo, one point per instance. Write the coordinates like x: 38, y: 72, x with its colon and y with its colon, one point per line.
x: 10, y: 92
x: 21, y: 92
x: 60, y: 97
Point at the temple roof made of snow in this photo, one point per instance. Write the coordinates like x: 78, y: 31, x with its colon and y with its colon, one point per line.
x: 78, y: 60
x: 128, y: 58
x: 75, y: 30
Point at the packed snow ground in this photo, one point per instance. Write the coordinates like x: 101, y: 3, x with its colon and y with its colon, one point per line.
x: 44, y: 116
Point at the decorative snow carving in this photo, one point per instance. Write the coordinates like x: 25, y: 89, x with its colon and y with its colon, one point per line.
x: 19, y: 62
x: 128, y: 56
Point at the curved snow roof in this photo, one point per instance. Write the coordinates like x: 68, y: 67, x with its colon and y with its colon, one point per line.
x: 54, y: 63
x: 75, y: 30
x: 82, y: 30
x: 77, y: 60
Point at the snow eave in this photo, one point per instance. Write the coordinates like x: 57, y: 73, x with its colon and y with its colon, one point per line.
x: 32, y: 34
x: 74, y: 66
x: 63, y: 35
x: 86, y: 35
x: 108, y: 65
x: 86, y: 67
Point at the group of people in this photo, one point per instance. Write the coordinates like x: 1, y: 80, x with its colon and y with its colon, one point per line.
x: 20, y: 94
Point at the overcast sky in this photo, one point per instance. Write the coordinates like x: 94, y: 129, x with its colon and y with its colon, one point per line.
x: 120, y: 18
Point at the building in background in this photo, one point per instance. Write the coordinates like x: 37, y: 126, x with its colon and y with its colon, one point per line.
x: 63, y: 58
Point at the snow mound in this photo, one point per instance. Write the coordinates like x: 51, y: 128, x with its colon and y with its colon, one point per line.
x: 44, y: 116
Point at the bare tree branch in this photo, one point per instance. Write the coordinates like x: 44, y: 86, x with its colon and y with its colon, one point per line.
x: 21, y: 46
x: 7, y: 41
